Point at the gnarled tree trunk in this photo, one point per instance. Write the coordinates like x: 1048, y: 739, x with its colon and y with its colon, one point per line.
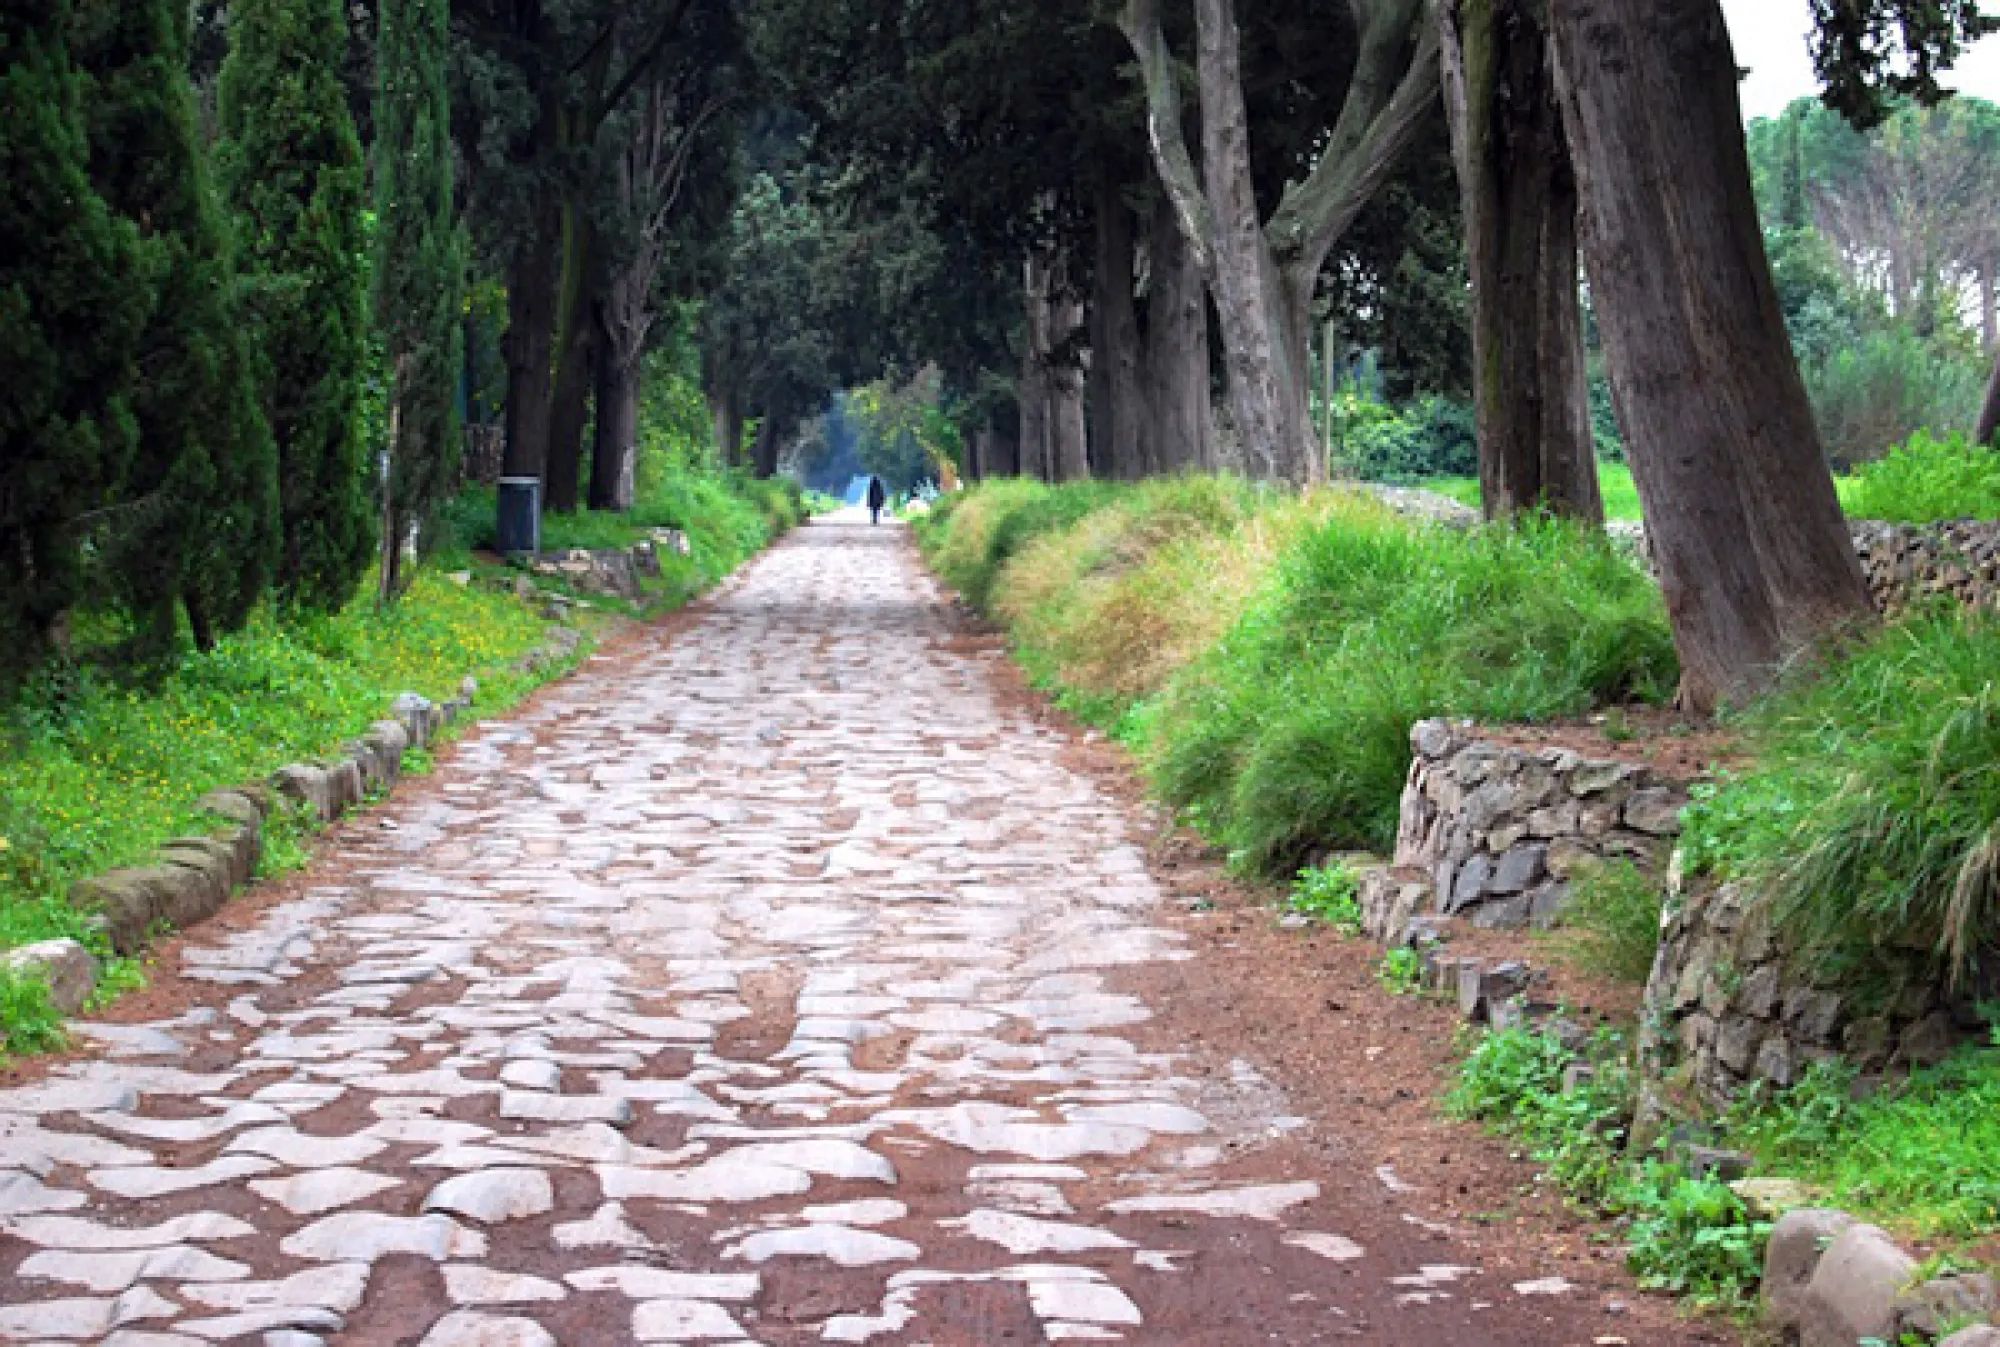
x: 1119, y: 444
x: 1180, y: 428
x: 1531, y: 392
x: 614, y: 458
x: 529, y: 347
x: 1753, y: 553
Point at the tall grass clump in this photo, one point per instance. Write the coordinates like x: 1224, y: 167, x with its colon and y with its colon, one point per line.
x: 960, y: 536
x: 1871, y: 817
x: 1115, y: 604
x: 1293, y: 731
x: 1928, y: 478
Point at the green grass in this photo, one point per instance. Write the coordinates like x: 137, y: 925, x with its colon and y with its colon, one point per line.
x: 1611, y: 923
x: 101, y: 771
x: 1871, y: 815
x: 1928, y: 478
x: 1293, y: 731
x: 1922, y: 1155
x: 1330, y: 896
x: 1614, y: 480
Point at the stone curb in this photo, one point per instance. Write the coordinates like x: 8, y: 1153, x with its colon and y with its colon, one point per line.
x: 192, y: 877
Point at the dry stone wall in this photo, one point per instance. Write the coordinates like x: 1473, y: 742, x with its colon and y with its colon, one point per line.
x: 1728, y: 1004
x: 1494, y: 833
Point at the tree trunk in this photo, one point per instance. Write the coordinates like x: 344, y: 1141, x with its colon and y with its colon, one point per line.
x: 1069, y: 432
x: 575, y: 354
x: 1035, y: 387
x: 764, y: 453
x: 1180, y: 427
x: 1119, y: 446
x: 531, y: 317
x: 725, y: 410
x: 1754, y: 557
x: 1003, y: 451
x: 569, y: 416
x: 615, y: 449
x: 1989, y: 307
x: 1531, y: 393
x: 1989, y: 411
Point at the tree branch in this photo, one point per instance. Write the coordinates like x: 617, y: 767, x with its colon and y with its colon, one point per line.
x: 1386, y: 102
x: 1140, y: 22
x: 640, y: 63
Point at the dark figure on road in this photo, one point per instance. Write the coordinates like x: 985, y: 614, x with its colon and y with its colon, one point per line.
x: 878, y: 496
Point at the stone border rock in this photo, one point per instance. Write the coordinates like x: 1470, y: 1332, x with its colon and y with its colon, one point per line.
x: 1831, y: 1280
x: 192, y: 877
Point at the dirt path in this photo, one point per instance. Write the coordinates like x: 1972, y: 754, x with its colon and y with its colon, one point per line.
x: 777, y: 982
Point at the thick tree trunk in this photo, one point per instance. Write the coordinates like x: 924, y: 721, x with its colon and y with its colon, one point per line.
x: 1531, y: 392
x: 575, y: 353
x: 1989, y: 306
x: 1180, y: 428
x: 532, y: 282
x: 1069, y: 421
x: 1754, y: 556
x: 1034, y: 391
x: 1119, y: 445
x: 1989, y: 411
x: 1003, y: 451
x: 764, y: 453
x: 614, y: 458
x: 725, y: 410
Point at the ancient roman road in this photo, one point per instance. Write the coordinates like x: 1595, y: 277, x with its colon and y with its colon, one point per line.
x: 770, y: 980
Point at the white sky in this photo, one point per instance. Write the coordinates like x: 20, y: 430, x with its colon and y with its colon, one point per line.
x: 1770, y: 38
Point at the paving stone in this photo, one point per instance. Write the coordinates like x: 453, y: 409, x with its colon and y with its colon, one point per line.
x: 323, y: 1190
x: 490, y: 1196
x: 366, y: 1236
x: 120, y: 1269
x: 470, y: 1285
x: 468, y: 1328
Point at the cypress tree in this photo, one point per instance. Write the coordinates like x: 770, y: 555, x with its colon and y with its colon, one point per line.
x: 419, y: 268
x: 292, y: 172
x: 75, y: 291
x: 197, y: 520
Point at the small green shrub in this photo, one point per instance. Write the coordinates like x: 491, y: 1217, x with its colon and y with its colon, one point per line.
x: 1401, y: 972
x: 1929, y: 478
x: 1871, y: 817
x: 1612, y: 921
x: 29, y: 1021
x: 1693, y: 1237
x: 1432, y: 437
x: 1331, y: 896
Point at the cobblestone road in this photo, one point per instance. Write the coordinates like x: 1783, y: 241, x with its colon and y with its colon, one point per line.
x: 768, y: 982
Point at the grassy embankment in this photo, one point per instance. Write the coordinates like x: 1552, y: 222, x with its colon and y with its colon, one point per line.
x: 104, y: 763
x: 1264, y: 657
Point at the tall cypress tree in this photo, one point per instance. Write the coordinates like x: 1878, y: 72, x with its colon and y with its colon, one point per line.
x: 197, y: 522
x: 419, y: 267
x: 292, y: 172
x: 75, y: 292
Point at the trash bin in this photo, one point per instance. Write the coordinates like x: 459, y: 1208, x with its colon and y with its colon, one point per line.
x: 519, y: 531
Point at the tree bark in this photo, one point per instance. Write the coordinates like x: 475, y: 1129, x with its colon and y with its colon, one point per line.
x: 725, y: 410
x: 528, y: 347
x: 569, y: 416
x: 1531, y: 393
x: 1119, y: 445
x: 1180, y: 428
x: 1989, y: 410
x: 764, y: 452
x: 1754, y: 556
x: 1034, y: 391
x: 1262, y: 276
x: 615, y: 446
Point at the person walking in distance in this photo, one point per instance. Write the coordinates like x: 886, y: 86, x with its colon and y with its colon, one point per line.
x: 878, y: 496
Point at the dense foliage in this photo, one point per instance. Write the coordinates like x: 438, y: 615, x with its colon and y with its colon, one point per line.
x: 293, y: 174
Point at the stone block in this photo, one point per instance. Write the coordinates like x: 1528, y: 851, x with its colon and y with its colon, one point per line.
x: 1758, y: 995
x: 1470, y: 884
x: 1776, y: 1062
x: 1737, y: 1043
x: 412, y: 711
x: 1503, y: 914
x: 346, y: 784
x: 1481, y: 987
x: 234, y: 805
x: 306, y: 784
x: 1566, y: 857
x: 1814, y: 1015
x: 1979, y: 1335
x: 1854, y: 1290
x: 1929, y: 1041
x: 1556, y: 820
x: 1799, y: 1240
x: 1547, y: 904
x: 1520, y: 869
x: 1867, y: 1041
x: 1929, y: 1309
x: 1431, y: 738
x: 127, y: 903
x: 208, y: 867
x: 64, y: 966
x: 1599, y: 778
x: 1655, y: 811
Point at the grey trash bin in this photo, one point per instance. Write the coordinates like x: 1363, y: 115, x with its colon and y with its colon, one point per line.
x: 519, y: 530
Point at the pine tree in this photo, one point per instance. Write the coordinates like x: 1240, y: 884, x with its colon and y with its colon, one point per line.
x: 75, y: 292
x: 292, y: 173
x: 419, y: 267
x: 196, y: 524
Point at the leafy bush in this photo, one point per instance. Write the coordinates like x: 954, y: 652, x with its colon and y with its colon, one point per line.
x: 1928, y: 478
x: 1331, y: 896
x: 1885, y: 388
x: 1432, y: 437
x: 1690, y: 1236
x: 1872, y: 815
x: 1401, y: 972
x: 1294, y: 730
x: 1612, y: 921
